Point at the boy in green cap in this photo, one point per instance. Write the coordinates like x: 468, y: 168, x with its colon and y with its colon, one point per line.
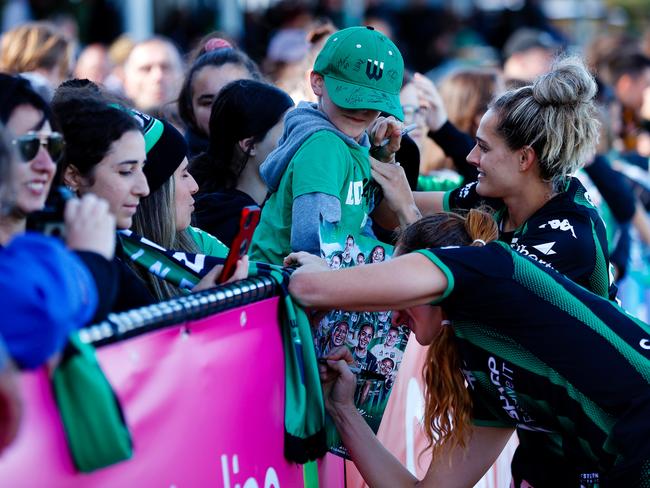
x: 319, y: 176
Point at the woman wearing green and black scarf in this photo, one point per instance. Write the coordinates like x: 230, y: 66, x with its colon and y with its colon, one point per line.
x: 164, y: 218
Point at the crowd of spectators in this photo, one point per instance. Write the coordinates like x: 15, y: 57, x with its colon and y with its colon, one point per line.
x: 152, y: 147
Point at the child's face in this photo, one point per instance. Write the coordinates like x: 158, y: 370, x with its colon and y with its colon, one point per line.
x: 351, y: 122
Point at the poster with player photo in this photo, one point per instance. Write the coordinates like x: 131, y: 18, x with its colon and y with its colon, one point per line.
x: 377, y: 345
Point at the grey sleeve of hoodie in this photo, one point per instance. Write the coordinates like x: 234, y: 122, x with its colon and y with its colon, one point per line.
x: 308, y: 210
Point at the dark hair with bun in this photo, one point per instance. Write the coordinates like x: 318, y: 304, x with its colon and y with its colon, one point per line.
x: 89, y: 125
x: 216, y: 57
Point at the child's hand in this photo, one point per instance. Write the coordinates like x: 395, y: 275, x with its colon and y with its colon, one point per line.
x: 381, y: 130
x: 303, y: 258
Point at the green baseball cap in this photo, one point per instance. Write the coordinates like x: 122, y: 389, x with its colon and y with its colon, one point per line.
x: 362, y: 69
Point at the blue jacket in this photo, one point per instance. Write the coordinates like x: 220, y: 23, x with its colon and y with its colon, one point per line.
x: 45, y: 293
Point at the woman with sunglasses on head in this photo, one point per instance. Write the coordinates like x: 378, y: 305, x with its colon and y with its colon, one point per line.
x: 528, y: 144
x: 216, y: 64
x: 514, y: 345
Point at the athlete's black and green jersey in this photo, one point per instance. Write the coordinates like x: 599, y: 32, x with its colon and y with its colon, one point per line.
x: 569, y: 369
x: 566, y: 234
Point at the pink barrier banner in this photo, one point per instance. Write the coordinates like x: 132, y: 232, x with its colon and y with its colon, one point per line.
x: 204, y: 402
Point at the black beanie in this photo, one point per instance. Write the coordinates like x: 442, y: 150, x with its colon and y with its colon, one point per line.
x: 166, y: 148
x: 165, y: 156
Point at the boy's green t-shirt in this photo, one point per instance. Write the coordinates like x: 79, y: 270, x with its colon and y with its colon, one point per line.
x: 323, y: 164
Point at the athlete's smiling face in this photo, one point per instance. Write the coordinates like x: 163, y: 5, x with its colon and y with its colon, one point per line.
x: 499, y: 174
x: 365, y: 335
x: 340, y: 333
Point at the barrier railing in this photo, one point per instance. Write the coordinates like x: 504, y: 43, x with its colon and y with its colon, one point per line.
x: 119, y: 326
x: 201, y: 382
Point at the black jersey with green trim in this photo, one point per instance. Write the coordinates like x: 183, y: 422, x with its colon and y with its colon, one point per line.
x: 566, y: 234
x: 569, y: 369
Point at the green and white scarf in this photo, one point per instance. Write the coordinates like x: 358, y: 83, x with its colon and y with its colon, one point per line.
x: 304, y: 414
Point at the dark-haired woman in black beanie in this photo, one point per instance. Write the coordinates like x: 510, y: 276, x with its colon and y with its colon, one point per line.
x: 164, y: 216
x: 245, y: 124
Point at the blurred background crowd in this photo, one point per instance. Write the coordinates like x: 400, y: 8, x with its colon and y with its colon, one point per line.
x: 151, y: 53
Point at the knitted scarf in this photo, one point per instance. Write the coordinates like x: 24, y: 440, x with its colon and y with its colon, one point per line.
x: 304, y: 414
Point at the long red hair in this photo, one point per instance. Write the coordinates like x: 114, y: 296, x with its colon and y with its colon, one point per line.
x: 447, y: 414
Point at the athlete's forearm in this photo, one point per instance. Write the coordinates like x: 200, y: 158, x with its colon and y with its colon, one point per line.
x: 378, y: 467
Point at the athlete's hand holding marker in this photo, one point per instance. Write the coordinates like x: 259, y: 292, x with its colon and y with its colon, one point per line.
x: 397, y: 193
x: 338, y: 380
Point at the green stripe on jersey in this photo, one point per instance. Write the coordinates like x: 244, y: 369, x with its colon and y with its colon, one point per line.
x: 443, y: 267
x: 495, y: 343
x: 445, y: 201
x: 567, y: 424
x: 544, y: 286
x: 599, y: 278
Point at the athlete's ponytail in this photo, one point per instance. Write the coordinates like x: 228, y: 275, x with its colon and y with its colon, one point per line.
x: 448, y: 406
x: 480, y: 227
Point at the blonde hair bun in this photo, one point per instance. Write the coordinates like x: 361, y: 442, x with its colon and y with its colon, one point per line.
x: 569, y: 83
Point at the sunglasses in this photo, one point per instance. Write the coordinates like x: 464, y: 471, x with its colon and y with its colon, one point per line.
x: 29, y: 144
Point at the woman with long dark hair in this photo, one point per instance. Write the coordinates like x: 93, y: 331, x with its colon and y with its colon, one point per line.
x: 245, y: 125
x: 217, y: 64
x: 154, y: 200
